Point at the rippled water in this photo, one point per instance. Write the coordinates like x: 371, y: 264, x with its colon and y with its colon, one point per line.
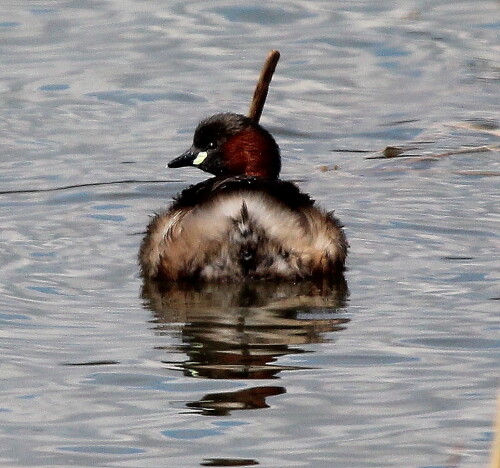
x: 396, y: 367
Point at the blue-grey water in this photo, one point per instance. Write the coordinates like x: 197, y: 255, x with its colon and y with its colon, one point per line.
x: 397, y: 367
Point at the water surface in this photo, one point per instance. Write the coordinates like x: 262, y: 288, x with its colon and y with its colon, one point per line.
x: 395, y: 366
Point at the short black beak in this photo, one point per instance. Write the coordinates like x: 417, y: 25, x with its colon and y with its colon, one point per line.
x: 185, y: 159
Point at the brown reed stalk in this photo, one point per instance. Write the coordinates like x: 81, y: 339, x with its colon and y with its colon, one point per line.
x: 260, y: 94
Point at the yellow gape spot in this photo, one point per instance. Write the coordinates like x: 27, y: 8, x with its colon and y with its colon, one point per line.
x: 200, y: 158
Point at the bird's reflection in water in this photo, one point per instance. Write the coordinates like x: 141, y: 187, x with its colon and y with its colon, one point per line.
x: 238, y: 331
x: 221, y: 404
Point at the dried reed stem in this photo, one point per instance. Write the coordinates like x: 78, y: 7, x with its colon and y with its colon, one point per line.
x: 260, y: 94
x: 495, y: 449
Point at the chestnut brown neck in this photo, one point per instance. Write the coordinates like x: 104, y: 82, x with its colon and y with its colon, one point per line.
x: 252, y: 153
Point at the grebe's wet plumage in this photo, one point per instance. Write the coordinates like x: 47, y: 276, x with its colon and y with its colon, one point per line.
x: 243, y: 223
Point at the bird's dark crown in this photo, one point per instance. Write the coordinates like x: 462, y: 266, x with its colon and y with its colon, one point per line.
x: 231, y: 144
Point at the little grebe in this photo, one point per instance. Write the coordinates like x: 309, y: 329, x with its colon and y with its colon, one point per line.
x: 244, y: 222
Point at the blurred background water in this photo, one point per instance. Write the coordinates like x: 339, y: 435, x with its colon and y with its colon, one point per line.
x: 396, y: 367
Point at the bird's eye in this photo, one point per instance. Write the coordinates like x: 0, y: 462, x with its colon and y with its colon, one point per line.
x: 211, y: 145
